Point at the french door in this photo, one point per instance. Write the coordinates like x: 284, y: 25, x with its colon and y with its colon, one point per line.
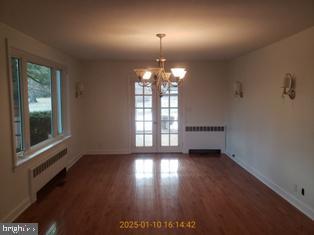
x: 155, y: 120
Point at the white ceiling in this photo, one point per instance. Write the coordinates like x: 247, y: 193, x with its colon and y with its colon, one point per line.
x: 125, y: 29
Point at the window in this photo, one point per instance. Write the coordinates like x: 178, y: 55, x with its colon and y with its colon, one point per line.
x: 37, y: 104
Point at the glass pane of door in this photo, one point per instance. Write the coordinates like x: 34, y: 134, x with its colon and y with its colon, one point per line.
x: 169, y: 118
x: 143, y: 98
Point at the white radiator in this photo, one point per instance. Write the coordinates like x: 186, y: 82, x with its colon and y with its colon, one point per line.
x: 45, y: 171
x: 204, y: 137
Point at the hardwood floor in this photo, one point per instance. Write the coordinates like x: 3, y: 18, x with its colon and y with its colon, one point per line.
x: 221, y: 197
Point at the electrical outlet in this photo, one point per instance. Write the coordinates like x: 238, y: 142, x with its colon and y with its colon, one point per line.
x: 302, y: 191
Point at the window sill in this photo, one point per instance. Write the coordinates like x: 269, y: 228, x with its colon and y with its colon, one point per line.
x: 21, y: 160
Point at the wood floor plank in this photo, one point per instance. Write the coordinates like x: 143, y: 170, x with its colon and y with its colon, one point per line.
x: 221, y: 197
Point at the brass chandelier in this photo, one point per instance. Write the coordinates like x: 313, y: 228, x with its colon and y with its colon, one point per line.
x: 158, y: 76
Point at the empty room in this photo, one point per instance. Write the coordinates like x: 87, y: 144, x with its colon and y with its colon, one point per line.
x: 157, y: 117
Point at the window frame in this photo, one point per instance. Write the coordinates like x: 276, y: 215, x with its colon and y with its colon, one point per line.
x: 20, y: 86
x: 29, y: 151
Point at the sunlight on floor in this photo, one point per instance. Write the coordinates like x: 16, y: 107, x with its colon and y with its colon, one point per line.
x: 52, y: 229
x: 143, y: 168
x: 169, y: 168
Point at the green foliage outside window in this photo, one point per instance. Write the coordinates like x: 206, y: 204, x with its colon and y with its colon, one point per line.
x: 41, y: 126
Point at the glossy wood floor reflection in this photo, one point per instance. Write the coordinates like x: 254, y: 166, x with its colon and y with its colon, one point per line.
x: 101, y: 191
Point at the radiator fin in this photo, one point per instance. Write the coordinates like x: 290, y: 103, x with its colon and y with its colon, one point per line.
x: 205, y: 128
x: 42, y: 167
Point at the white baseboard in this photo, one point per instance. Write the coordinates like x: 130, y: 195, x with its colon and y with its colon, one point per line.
x: 17, y: 211
x: 108, y: 152
x: 301, y: 206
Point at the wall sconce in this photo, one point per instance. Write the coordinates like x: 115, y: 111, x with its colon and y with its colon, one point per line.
x: 289, y: 84
x: 237, y: 89
x: 79, y: 89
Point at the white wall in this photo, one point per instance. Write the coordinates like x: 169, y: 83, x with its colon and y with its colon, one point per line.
x: 271, y: 136
x: 14, y: 184
x: 107, y: 103
x: 205, y: 104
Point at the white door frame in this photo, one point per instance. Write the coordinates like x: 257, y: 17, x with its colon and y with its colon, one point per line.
x: 156, y: 148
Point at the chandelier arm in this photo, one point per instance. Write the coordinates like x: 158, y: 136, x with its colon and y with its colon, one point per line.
x: 175, y: 83
x: 168, y: 86
x: 145, y: 84
x: 159, y: 87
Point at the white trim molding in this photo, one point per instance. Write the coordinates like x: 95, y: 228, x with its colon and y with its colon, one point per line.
x: 108, y: 152
x: 301, y: 206
x: 13, y: 214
